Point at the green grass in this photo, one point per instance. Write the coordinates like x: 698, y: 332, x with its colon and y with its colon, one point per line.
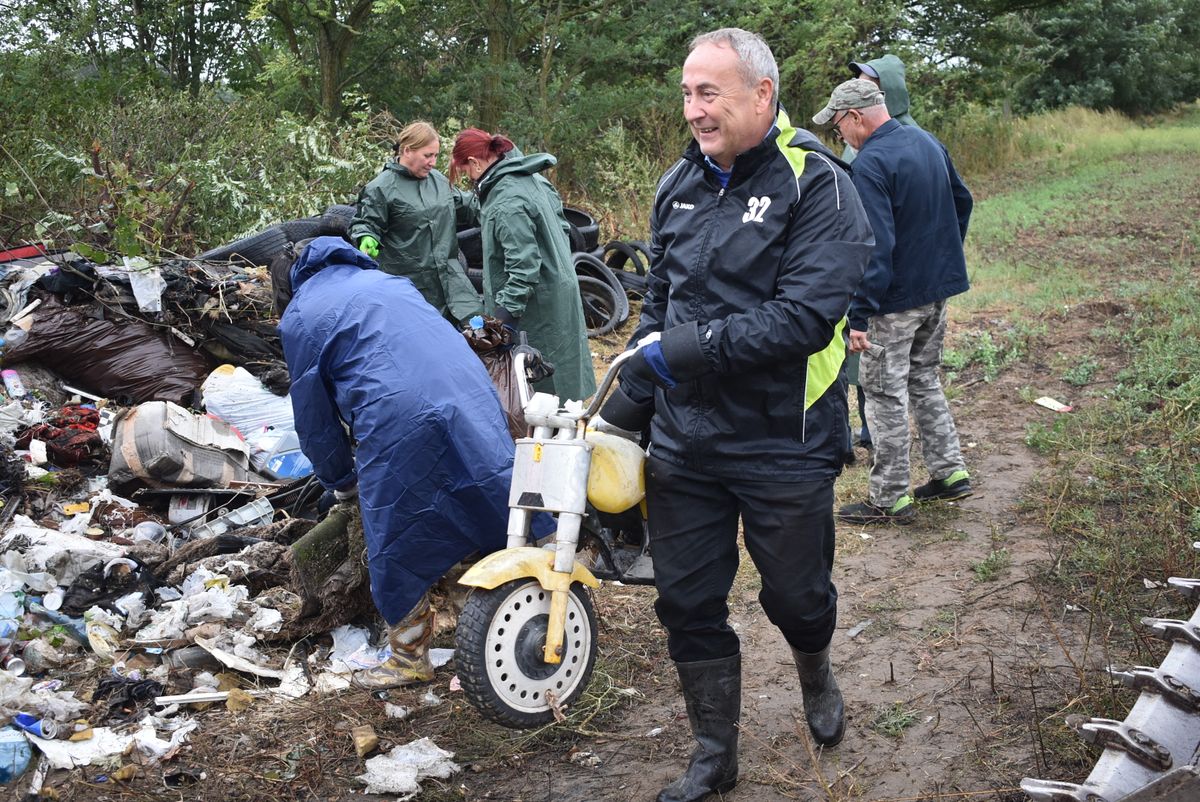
x: 990, y: 353
x: 1081, y: 373
x: 893, y: 719
x: 993, y: 566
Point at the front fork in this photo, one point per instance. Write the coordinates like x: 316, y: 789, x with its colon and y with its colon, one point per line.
x: 558, y: 581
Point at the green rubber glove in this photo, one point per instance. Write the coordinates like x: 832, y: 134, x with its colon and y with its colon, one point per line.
x: 369, y: 245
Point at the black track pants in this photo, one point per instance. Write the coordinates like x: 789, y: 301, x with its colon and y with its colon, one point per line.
x: 789, y: 533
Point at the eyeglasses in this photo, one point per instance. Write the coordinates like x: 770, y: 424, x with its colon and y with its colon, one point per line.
x: 837, y: 131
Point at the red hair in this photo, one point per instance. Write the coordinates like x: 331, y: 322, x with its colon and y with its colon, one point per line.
x: 478, y: 144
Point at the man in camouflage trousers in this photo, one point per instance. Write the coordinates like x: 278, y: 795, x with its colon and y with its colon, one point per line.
x: 919, y: 209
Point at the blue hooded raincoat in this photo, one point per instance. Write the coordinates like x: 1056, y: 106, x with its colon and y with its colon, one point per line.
x: 434, y: 458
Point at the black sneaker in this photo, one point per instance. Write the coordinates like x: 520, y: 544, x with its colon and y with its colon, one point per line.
x: 865, y: 513
x: 956, y: 485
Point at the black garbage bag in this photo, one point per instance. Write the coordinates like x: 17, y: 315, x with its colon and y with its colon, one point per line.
x: 119, y: 359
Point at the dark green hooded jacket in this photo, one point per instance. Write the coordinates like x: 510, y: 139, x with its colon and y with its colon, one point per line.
x: 527, y: 268
x: 895, y: 93
x: 415, y: 221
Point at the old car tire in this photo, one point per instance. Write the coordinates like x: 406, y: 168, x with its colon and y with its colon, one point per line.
x: 589, y: 230
x: 304, y: 228
x: 588, y: 265
x: 470, y: 244
x: 258, y: 249
x: 599, y: 306
x: 336, y: 219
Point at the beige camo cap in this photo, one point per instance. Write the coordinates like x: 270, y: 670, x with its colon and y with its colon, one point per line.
x: 856, y: 93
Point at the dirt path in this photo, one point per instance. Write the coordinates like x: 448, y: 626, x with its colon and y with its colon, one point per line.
x: 951, y: 656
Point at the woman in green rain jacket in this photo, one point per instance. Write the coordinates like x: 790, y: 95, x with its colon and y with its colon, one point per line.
x: 529, y: 279
x: 407, y: 221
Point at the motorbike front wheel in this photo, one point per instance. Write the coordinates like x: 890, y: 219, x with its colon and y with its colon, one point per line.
x: 501, y: 633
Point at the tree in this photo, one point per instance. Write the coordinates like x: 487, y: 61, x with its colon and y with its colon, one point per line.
x: 1135, y: 56
x: 186, y: 43
x: 323, y: 32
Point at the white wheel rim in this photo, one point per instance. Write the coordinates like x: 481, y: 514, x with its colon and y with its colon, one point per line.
x: 516, y: 617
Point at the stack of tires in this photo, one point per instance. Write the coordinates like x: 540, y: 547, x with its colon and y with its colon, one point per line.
x: 608, y: 276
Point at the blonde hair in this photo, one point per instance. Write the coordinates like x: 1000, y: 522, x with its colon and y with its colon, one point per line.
x: 414, y: 135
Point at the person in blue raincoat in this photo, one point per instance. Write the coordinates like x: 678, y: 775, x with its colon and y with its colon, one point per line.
x: 373, y: 364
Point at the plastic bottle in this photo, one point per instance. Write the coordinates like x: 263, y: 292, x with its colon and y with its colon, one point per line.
x: 14, y: 336
x: 13, y: 383
x: 15, y: 753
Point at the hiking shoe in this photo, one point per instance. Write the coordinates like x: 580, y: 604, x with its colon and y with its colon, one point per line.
x: 865, y: 513
x: 956, y: 485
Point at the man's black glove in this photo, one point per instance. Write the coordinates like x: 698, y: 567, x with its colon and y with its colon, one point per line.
x: 537, y: 367
x: 671, y: 357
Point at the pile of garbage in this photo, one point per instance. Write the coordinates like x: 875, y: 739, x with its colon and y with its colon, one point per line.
x: 158, y: 522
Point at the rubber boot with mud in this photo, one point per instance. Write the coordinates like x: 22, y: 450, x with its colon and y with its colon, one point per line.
x: 409, y: 663
x: 823, y: 705
x: 712, y: 691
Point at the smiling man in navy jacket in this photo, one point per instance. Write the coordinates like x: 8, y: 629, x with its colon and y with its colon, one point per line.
x: 919, y: 209
x: 758, y: 240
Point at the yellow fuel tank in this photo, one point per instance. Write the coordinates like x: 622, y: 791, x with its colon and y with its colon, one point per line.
x: 616, y: 480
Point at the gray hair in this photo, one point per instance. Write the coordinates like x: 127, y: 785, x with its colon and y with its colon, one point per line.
x: 755, y: 59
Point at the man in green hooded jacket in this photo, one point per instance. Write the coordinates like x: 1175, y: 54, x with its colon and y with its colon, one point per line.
x: 407, y: 222
x: 886, y: 72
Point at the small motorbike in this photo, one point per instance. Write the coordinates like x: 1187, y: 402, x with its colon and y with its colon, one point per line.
x: 526, y: 638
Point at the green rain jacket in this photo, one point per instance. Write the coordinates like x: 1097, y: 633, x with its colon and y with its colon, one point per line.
x: 527, y: 268
x: 895, y: 94
x: 415, y: 221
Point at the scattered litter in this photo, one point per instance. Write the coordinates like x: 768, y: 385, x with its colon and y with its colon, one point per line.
x: 107, y: 742
x: 198, y: 697
x: 590, y: 759
x: 1051, y: 404
x: 1152, y: 584
x: 365, y: 740
x: 654, y: 733
x: 396, y: 711
x: 439, y: 657
x: 431, y: 699
x: 401, y: 770
x: 328, y: 682
x: 865, y: 536
x: 15, y: 753
x: 858, y: 628
x: 455, y: 684
x: 236, y: 661
x: 238, y: 701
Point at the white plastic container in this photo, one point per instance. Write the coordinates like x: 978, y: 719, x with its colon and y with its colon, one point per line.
x: 256, y: 513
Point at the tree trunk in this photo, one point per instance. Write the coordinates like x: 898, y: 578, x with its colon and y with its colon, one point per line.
x: 498, y: 47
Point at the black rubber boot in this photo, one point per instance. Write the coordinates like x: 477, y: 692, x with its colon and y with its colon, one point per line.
x: 823, y: 705
x: 712, y: 690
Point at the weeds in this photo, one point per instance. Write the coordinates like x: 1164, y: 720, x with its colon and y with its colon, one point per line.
x: 990, y: 354
x: 893, y: 720
x: 992, y: 566
x: 1081, y: 373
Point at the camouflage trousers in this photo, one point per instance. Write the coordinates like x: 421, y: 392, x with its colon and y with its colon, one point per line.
x: 898, y: 370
